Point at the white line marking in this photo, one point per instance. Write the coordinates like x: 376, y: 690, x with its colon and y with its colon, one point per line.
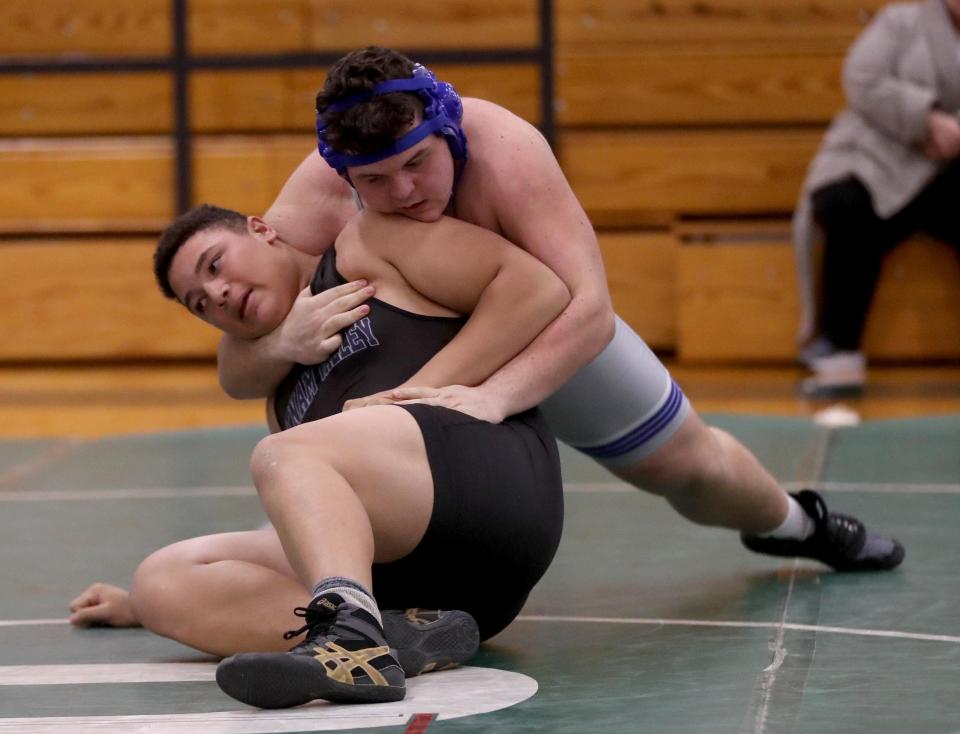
x: 61, y: 495
x: 818, y: 459
x: 881, y: 487
x: 48, y: 675
x: 465, y: 691
x: 317, y: 717
x: 655, y: 622
x: 797, y: 484
x: 769, y: 674
x: 79, y: 495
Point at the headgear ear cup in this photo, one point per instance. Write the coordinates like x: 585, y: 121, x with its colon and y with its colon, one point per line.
x: 442, y: 100
x: 452, y: 109
x: 322, y: 146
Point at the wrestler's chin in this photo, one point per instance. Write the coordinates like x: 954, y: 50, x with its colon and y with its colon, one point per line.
x: 427, y: 214
x: 263, y: 316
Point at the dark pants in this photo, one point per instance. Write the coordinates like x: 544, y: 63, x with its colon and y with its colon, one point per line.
x: 856, y: 241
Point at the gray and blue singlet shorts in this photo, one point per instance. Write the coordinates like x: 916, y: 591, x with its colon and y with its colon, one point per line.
x: 621, y: 407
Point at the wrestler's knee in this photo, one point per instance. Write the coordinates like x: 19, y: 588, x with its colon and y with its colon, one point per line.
x: 160, y: 589
x: 690, y: 460
x: 278, y: 455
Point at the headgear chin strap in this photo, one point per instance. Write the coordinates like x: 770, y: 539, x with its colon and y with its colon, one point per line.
x: 442, y: 113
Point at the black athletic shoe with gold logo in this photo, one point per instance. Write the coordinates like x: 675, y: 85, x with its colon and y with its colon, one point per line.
x: 839, y: 540
x: 344, y: 659
x: 427, y: 640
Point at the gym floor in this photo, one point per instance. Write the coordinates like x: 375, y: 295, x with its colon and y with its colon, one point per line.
x: 644, y: 623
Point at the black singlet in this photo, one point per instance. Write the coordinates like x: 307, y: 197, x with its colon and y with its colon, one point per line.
x: 379, y: 352
x: 498, y: 495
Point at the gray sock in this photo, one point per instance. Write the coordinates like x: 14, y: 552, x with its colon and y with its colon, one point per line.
x: 351, y: 591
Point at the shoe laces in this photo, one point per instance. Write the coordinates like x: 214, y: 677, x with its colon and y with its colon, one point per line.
x: 845, y: 530
x: 319, y: 619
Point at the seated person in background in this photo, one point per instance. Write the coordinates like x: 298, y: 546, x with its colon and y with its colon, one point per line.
x: 422, y: 505
x: 887, y: 168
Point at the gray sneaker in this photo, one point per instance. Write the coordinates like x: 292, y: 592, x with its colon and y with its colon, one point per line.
x: 839, y: 374
x: 819, y: 347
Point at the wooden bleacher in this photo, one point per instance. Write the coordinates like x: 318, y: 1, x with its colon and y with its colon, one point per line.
x: 680, y: 124
x: 737, y: 294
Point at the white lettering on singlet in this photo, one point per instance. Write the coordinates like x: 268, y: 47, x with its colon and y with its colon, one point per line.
x: 357, y: 338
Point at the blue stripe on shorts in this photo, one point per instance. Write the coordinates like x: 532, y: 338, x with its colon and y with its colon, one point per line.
x: 643, y: 432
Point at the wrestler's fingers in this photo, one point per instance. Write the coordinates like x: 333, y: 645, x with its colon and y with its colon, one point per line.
x: 344, y: 296
x: 331, y: 344
x: 438, y: 401
x: 346, y: 318
x: 366, y: 402
x: 90, y: 615
x: 413, y: 393
x: 88, y: 597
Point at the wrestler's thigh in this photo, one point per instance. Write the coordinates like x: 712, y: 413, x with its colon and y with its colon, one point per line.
x: 258, y: 547
x: 380, y: 452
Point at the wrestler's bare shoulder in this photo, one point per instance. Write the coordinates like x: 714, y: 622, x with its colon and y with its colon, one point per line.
x: 487, y: 124
x: 506, y: 155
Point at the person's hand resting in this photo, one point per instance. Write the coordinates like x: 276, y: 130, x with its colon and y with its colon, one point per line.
x: 103, y: 604
x: 310, y: 333
x: 386, y: 397
x: 943, y: 135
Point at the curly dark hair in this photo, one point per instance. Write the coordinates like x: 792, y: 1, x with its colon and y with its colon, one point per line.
x: 370, y: 126
x: 198, y: 219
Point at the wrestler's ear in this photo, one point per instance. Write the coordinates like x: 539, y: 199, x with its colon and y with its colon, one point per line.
x: 261, y: 230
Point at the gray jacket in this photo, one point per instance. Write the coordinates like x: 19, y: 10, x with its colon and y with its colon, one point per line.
x: 903, y: 64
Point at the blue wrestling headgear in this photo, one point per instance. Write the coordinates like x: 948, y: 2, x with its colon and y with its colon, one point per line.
x: 442, y: 113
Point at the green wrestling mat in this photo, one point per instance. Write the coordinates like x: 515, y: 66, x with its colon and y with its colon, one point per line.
x: 644, y: 623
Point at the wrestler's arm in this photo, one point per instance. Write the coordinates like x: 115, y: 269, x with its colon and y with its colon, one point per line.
x: 509, y: 295
x: 313, y: 206
x: 538, y: 210
x: 310, y: 211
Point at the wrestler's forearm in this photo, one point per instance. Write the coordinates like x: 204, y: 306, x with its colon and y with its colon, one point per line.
x: 513, y: 309
x: 248, y: 368
x: 566, y: 346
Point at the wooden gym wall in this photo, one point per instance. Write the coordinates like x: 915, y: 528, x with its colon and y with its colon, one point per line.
x: 684, y: 127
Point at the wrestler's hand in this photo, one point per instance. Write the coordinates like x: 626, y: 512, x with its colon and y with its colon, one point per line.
x: 943, y: 135
x: 474, y: 401
x: 103, y: 604
x: 311, y: 331
x: 386, y: 397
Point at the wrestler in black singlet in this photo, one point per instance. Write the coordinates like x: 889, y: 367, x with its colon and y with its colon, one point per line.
x: 498, y: 498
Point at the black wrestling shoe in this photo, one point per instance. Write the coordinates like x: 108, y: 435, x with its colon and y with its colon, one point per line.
x: 343, y: 659
x: 839, y: 541
x: 425, y: 640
